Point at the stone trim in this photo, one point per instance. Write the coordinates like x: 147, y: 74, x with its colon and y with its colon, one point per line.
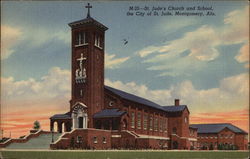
x: 153, y: 137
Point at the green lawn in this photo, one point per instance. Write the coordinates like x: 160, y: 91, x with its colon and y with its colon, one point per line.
x: 122, y: 155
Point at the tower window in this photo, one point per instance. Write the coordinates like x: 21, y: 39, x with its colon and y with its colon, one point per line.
x: 98, y: 42
x: 81, y: 39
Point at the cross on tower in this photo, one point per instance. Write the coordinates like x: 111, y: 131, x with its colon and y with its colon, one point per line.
x: 88, y: 6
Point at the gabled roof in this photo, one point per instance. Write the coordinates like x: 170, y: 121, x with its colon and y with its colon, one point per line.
x: 88, y: 21
x: 134, y: 98
x: 61, y: 116
x: 109, y: 113
x: 216, y: 128
x: 174, y: 108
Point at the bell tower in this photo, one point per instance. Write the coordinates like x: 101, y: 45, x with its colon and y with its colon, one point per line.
x: 87, y: 65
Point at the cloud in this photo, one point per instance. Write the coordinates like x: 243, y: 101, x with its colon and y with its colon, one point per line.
x: 25, y: 101
x: 41, y: 36
x: 34, y: 36
x: 55, y: 83
x: 173, y: 24
x: 243, y: 55
x: 112, y: 62
x: 9, y: 37
x: 199, y: 46
x: 236, y: 29
x: 231, y: 95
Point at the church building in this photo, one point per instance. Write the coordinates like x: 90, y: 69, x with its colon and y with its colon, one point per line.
x: 102, y: 117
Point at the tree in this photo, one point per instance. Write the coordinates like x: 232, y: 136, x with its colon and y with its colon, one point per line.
x: 36, y: 125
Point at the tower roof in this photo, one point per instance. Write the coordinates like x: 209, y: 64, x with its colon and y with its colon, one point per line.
x: 88, y: 21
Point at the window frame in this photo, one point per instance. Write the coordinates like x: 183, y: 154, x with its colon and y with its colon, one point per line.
x: 132, y: 119
x: 138, y: 120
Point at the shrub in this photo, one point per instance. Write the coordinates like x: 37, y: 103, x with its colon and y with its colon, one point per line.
x: 36, y: 125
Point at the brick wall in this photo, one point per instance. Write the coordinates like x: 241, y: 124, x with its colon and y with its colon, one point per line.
x: 84, y: 139
x: 33, y: 134
x: 226, y: 136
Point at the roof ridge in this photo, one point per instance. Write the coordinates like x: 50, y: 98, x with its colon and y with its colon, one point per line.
x: 173, y: 105
x: 144, y: 101
x: 213, y: 124
x: 132, y: 94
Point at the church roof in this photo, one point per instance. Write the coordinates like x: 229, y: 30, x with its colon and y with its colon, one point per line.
x: 216, y: 128
x: 61, y: 116
x: 144, y: 101
x: 134, y: 98
x: 88, y: 21
x: 109, y: 113
x: 174, y: 108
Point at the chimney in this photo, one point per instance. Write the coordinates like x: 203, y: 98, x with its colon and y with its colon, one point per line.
x: 177, y: 102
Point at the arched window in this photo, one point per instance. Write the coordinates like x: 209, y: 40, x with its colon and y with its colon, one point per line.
x: 55, y: 127
x: 63, y: 128
x: 186, y: 120
x: 145, y: 122
x: 174, y: 130
x: 151, y: 123
x: 132, y: 120
x: 156, y: 124
x: 139, y: 120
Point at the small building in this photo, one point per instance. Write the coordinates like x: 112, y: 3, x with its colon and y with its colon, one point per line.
x: 221, y: 136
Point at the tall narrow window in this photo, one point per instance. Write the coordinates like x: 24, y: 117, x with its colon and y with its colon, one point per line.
x: 132, y: 120
x: 81, y: 39
x: 165, y: 125
x: 145, y: 122
x: 151, y: 123
x: 156, y: 124
x: 174, y: 131
x: 139, y: 120
x: 160, y: 124
x: 104, y: 140
x: 95, y: 139
x: 186, y: 119
x: 98, y: 42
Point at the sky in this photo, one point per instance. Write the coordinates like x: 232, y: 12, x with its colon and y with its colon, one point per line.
x: 201, y: 60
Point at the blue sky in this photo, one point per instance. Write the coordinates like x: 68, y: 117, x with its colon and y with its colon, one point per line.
x: 34, y: 61
x: 204, y: 60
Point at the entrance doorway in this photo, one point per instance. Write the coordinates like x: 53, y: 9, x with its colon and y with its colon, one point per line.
x: 175, y: 145
x: 80, y: 122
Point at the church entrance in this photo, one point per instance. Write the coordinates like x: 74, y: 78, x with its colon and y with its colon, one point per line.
x: 79, y: 116
x: 80, y: 122
x: 175, y: 145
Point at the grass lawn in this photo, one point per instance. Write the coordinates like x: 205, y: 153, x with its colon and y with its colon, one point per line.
x: 123, y: 155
